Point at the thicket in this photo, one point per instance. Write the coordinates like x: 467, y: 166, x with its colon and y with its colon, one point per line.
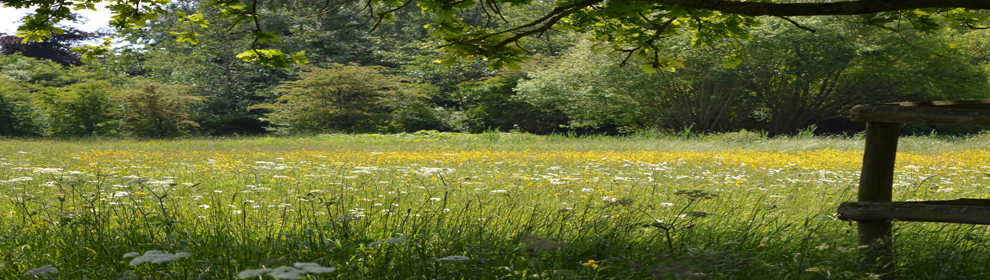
x: 782, y: 81
x: 791, y: 79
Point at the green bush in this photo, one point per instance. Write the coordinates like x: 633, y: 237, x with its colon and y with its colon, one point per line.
x: 19, y: 113
x: 492, y: 105
x: 157, y: 110
x: 84, y: 109
x: 791, y: 79
x: 345, y: 98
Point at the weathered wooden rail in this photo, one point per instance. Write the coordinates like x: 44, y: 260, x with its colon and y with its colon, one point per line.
x: 875, y: 209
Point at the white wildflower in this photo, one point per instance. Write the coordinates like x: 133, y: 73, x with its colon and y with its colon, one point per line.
x: 287, y: 272
x: 138, y: 181
x: 15, y: 180
x: 454, y: 258
x: 42, y: 271
x: 48, y: 170
x: 313, y: 267
x: 587, y: 190
x: 119, y: 194
x: 155, y: 256
x: 346, y: 217
x: 429, y: 171
x: 157, y: 182
x: 251, y: 273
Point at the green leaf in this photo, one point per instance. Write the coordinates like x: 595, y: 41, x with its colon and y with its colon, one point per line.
x: 91, y: 52
x: 735, y: 58
x: 196, y: 19
x: 300, y: 57
x: 271, y: 57
x: 186, y: 37
x: 248, y: 56
x: 266, y: 37
x: 446, y: 60
x: 649, y: 69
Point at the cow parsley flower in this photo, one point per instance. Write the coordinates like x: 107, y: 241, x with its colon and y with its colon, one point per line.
x: 155, y: 256
x: 454, y: 258
x: 287, y: 272
x: 251, y: 273
x: 42, y: 271
x: 296, y: 271
x: 313, y: 267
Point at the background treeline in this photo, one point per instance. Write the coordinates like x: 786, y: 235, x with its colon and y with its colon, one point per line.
x: 389, y: 81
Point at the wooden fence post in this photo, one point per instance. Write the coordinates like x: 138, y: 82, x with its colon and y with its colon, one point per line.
x: 876, y: 185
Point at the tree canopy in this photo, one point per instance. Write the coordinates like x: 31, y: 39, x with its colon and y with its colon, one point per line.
x: 56, y: 48
x: 466, y: 29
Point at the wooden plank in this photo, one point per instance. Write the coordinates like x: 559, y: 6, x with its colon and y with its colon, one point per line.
x: 911, y: 211
x: 980, y: 104
x: 957, y: 202
x: 926, y: 115
x: 876, y: 185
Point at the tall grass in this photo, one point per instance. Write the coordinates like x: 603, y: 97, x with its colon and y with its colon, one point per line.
x: 486, y: 206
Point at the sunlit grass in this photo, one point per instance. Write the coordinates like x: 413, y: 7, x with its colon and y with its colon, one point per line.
x: 488, y: 206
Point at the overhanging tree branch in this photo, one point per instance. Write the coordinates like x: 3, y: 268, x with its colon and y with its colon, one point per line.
x: 820, y: 9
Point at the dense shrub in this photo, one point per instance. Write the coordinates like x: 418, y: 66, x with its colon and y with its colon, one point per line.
x: 790, y: 80
x: 345, y: 98
x: 492, y: 105
x: 157, y: 110
x: 84, y: 109
x: 19, y: 113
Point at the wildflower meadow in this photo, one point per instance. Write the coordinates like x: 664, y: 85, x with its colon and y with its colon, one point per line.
x: 481, y: 206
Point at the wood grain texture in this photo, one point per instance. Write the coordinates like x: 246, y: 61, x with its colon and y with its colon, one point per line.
x: 915, y: 211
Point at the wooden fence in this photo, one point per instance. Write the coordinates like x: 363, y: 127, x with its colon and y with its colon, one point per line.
x: 875, y: 209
